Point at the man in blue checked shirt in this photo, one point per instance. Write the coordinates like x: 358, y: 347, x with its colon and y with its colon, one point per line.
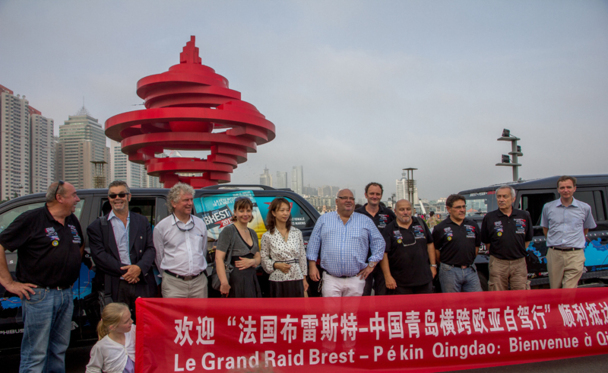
x: 344, y: 238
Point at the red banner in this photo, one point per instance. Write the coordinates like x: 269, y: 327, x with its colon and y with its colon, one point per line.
x: 434, y: 332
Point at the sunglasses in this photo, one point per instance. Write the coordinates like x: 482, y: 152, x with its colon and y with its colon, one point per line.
x: 59, y: 183
x: 120, y: 195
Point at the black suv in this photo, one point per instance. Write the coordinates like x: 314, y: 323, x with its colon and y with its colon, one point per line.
x: 212, y: 204
x: 532, y: 196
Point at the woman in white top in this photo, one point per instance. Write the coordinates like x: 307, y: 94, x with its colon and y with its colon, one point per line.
x: 283, y: 254
x: 115, y: 350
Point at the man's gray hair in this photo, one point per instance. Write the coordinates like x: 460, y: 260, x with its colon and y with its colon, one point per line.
x: 52, y: 191
x: 176, y: 192
x: 513, y: 192
x: 117, y: 183
x: 342, y: 190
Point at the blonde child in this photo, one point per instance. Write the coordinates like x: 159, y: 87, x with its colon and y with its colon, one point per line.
x: 115, y: 350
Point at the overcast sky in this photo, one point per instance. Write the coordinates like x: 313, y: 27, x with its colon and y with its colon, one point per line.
x: 357, y: 90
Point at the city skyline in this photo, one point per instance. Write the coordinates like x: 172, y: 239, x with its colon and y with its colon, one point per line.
x: 357, y: 92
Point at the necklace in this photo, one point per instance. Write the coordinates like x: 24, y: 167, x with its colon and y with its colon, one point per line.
x: 285, y: 236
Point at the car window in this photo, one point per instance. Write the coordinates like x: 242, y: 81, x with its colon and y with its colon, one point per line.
x: 595, y: 199
x: 7, y: 217
x: 216, y: 211
x: 145, y: 206
x: 533, y: 203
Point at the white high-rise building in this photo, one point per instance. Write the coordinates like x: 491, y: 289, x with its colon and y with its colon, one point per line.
x: 266, y: 178
x: 81, y: 141
x: 26, y: 147
x: 297, y: 179
x: 123, y: 169
x: 281, y: 180
x: 42, y: 151
x: 15, y: 145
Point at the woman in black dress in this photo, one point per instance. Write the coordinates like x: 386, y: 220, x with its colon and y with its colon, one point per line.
x: 240, y: 245
x: 283, y: 254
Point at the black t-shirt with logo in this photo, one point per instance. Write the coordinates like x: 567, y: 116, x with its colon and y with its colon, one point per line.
x: 382, y: 218
x: 457, y: 243
x: 507, y: 235
x: 407, y: 252
x: 48, y: 253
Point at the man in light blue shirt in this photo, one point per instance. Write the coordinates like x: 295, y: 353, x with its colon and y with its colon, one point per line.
x: 343, y: 239
x: 565, y: 223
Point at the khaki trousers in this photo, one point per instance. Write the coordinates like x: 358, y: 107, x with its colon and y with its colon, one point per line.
x: 173, y: 287
x: 565, y: 268
x: 504, y: 272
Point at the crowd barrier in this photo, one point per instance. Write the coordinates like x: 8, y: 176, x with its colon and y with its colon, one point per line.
x: 433, y: 332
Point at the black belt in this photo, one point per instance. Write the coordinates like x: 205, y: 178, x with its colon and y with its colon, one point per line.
x: 341, y: 276
x: 185, y: 278
x: 565, y: 248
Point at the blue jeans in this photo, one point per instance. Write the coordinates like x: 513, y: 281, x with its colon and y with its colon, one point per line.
x: 456, y: 279
x: 47, y: 319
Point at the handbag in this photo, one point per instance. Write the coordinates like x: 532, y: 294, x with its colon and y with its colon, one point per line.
x: 215, y: 280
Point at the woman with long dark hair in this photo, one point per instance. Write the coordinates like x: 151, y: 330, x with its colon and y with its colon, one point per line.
x: 240, y: 244
x: 283, y: 254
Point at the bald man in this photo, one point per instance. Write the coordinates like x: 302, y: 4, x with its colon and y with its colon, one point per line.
x: 342, y: 239
x: 409, y: 260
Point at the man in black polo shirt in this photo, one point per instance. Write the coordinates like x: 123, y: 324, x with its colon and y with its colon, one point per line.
x: 457, y: 240
x: 507, y: 232
x: 381, y: 216
x: 409, y: 260
x: 49, y: 241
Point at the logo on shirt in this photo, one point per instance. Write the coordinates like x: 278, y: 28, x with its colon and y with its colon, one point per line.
x: 470, y: 231
x: 498, y: 228
x: 76, y: 238
x: 520, y: 226
x: 447, y: 231
x: 418, y: 232
x: 398, y: 236
x: 52, y: 234
x: 383, y: 219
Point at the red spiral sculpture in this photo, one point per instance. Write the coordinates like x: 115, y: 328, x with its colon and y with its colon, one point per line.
x: 190, y: 107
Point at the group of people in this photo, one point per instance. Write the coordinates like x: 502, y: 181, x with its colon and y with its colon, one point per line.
x: 348, y: 249
x: 351, y: 252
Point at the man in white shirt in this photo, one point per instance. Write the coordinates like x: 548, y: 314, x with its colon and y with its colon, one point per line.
x: 180, y: 240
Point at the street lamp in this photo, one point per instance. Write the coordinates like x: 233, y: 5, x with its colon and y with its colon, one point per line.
x: 514, y: 153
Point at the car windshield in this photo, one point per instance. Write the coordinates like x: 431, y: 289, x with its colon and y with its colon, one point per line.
x: 480, y: 203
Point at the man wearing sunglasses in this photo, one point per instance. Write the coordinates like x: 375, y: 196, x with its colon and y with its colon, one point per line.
x: 123, y: 250
x: 181, y: 247
x: 49, y: 244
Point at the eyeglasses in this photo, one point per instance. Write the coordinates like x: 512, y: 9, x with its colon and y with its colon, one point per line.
x: 120, y: 195
x: 59, y: 183
x: 184, y: 227
x: 347, y: 198
x: 409, y: 244
x: 459, y: 207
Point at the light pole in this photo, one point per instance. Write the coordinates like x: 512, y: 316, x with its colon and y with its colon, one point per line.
x: 515, y: 153
x: 411, y: 184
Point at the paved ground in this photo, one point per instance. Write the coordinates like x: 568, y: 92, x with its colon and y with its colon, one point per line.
x: 77, y: 359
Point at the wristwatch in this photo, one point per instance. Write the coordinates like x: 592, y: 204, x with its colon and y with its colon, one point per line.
x: 372, y: 264
x: 434, y: 265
